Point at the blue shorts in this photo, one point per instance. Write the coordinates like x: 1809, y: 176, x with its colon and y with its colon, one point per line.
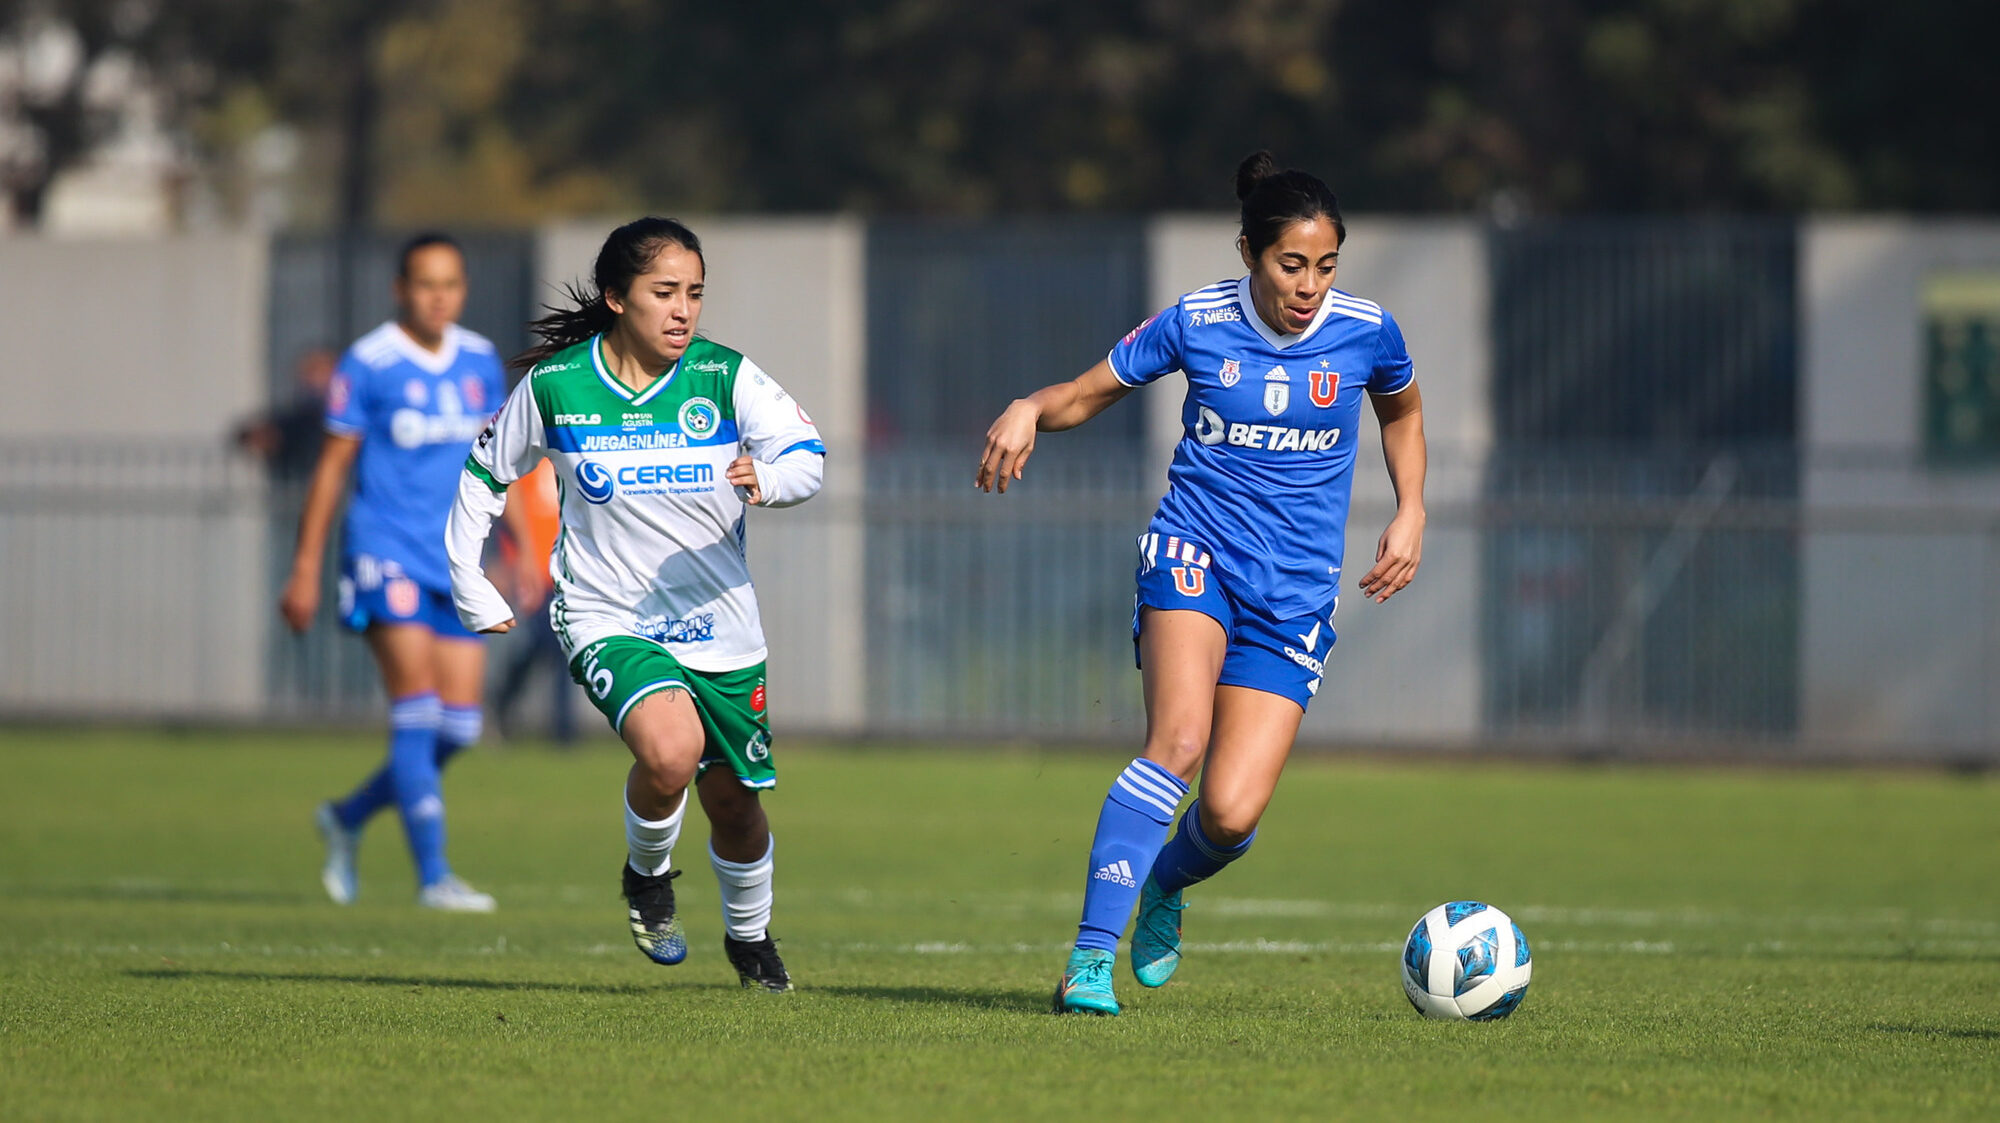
x: 375, y: 591
x: 1285, y: 657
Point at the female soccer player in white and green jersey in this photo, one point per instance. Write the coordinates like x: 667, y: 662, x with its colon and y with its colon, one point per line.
x: 659, y: 439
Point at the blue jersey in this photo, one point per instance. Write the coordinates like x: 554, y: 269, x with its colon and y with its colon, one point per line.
x: 1266, y: 459
x: 416, y: 414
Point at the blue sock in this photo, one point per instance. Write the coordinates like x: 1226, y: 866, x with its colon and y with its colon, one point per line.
x: 458, y: 729
x: 1190, y: 856
x: 1129, y: 831
x: 375, y: 793
x: 413, y: 773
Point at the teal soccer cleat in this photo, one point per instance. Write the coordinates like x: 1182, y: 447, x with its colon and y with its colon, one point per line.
x: 1156, y: 935
x: 1086, y: 984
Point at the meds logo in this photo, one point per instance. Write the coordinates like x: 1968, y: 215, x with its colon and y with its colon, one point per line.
x: 594, y: 481
x: 699, y: 417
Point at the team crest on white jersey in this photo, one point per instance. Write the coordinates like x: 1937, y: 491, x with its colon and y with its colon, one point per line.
x: 1232, y: 372
x: 1277, y: 391
x: 699, y: 417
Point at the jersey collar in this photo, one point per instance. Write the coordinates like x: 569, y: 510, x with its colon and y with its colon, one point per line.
x: 1256, y: 322
x: 433, y: 362
x: 619, y: 388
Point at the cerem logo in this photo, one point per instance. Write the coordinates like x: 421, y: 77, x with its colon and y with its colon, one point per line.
x: 594, y: 481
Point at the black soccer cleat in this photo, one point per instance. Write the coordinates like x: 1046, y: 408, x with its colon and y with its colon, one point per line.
x: 757, y: 963
x: 655, y: 926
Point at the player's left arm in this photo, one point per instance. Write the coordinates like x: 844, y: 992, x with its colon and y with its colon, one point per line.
x: 784, y: 459
x: 1399, y: 407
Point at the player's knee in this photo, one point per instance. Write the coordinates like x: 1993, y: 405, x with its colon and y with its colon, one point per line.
x: 665, y: 764
x: 1178, y: 751
x: 1227, y: 823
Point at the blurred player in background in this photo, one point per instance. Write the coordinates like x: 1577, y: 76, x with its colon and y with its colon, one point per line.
x: 1239, y: 572
x: 288, y: 439
x: 536, y: 497
x: 405, y: 403
x: 660, y: 438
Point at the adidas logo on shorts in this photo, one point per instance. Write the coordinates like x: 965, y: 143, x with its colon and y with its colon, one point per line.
x: 1118, y: 873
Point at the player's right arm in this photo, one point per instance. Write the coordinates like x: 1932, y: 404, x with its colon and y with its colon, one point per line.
x: 1051, y: 409
x: 513, y: 443
x: 1148, y: 351
x: 299, y: 602
x: 347, y: 404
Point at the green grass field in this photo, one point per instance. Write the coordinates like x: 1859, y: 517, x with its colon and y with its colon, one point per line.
x: 1708, y: 945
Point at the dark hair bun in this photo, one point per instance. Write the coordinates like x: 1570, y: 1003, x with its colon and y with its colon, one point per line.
x: 1259, y: 165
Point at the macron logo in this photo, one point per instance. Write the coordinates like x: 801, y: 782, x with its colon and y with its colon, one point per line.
x: 1118, y: 873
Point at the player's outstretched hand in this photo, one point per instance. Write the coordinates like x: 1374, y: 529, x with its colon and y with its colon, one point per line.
x: 742, y: 474
x: 1396, y: 557
x: 299, y: 603
x: 500, y: 629
x: 1009, y: 443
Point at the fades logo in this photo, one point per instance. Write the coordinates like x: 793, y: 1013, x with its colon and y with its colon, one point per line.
x: 699, y: 417
x: 594, y: 481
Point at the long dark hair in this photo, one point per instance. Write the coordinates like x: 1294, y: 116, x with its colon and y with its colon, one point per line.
x: 1273, y: 200
x: 626, y: 254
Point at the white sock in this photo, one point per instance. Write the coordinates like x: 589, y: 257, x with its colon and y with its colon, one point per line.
x: 649, y: 843
x: 746, y: 893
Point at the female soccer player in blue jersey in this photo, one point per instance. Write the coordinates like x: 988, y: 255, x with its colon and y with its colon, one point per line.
x: 1239, y: 571
x: 406, y: 402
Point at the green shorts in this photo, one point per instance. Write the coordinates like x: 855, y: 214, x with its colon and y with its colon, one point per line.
x: 619, y: 671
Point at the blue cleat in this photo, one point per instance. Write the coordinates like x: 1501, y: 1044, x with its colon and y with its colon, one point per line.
x: 656, y: 926
x: 1156, y: 935
x: 1086, y: 984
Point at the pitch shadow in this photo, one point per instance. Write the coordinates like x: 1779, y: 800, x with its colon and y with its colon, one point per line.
x: 442, y: 982
x: 127, y: 895
x: 1012, y: 1001
x: 1940, y: 1031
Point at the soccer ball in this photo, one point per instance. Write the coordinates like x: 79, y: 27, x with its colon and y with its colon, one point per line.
x: 1466, y: 961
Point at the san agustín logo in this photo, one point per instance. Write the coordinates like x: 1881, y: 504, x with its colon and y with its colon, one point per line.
x: 1210, y: 429
x: 598, y: 483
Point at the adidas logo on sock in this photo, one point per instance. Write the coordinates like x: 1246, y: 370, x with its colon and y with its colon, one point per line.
x: 1118, y: 873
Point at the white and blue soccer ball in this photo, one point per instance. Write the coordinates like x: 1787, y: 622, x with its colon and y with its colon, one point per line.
x: 1466, y: 961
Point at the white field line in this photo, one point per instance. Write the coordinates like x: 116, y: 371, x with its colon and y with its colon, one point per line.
x: 976, y: 901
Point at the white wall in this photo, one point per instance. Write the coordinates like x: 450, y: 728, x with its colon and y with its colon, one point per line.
x: 148, y: 338
x: 790, y: 293
x: 1408, y: 669
x: 1901, y: 564
x: 155, y: 604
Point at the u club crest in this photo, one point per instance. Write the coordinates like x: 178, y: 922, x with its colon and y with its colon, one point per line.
x: 1232, y: 372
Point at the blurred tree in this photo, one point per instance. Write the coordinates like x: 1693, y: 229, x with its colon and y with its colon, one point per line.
x: 502, y: 111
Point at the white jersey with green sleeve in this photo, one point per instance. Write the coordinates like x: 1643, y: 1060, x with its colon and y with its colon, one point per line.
x: 652, y: 538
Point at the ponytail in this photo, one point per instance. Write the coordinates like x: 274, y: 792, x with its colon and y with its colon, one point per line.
x: 1273, y: 200
x: 625, y: 255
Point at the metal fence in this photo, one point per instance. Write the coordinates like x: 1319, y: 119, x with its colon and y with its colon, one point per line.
x: 140, y: 583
